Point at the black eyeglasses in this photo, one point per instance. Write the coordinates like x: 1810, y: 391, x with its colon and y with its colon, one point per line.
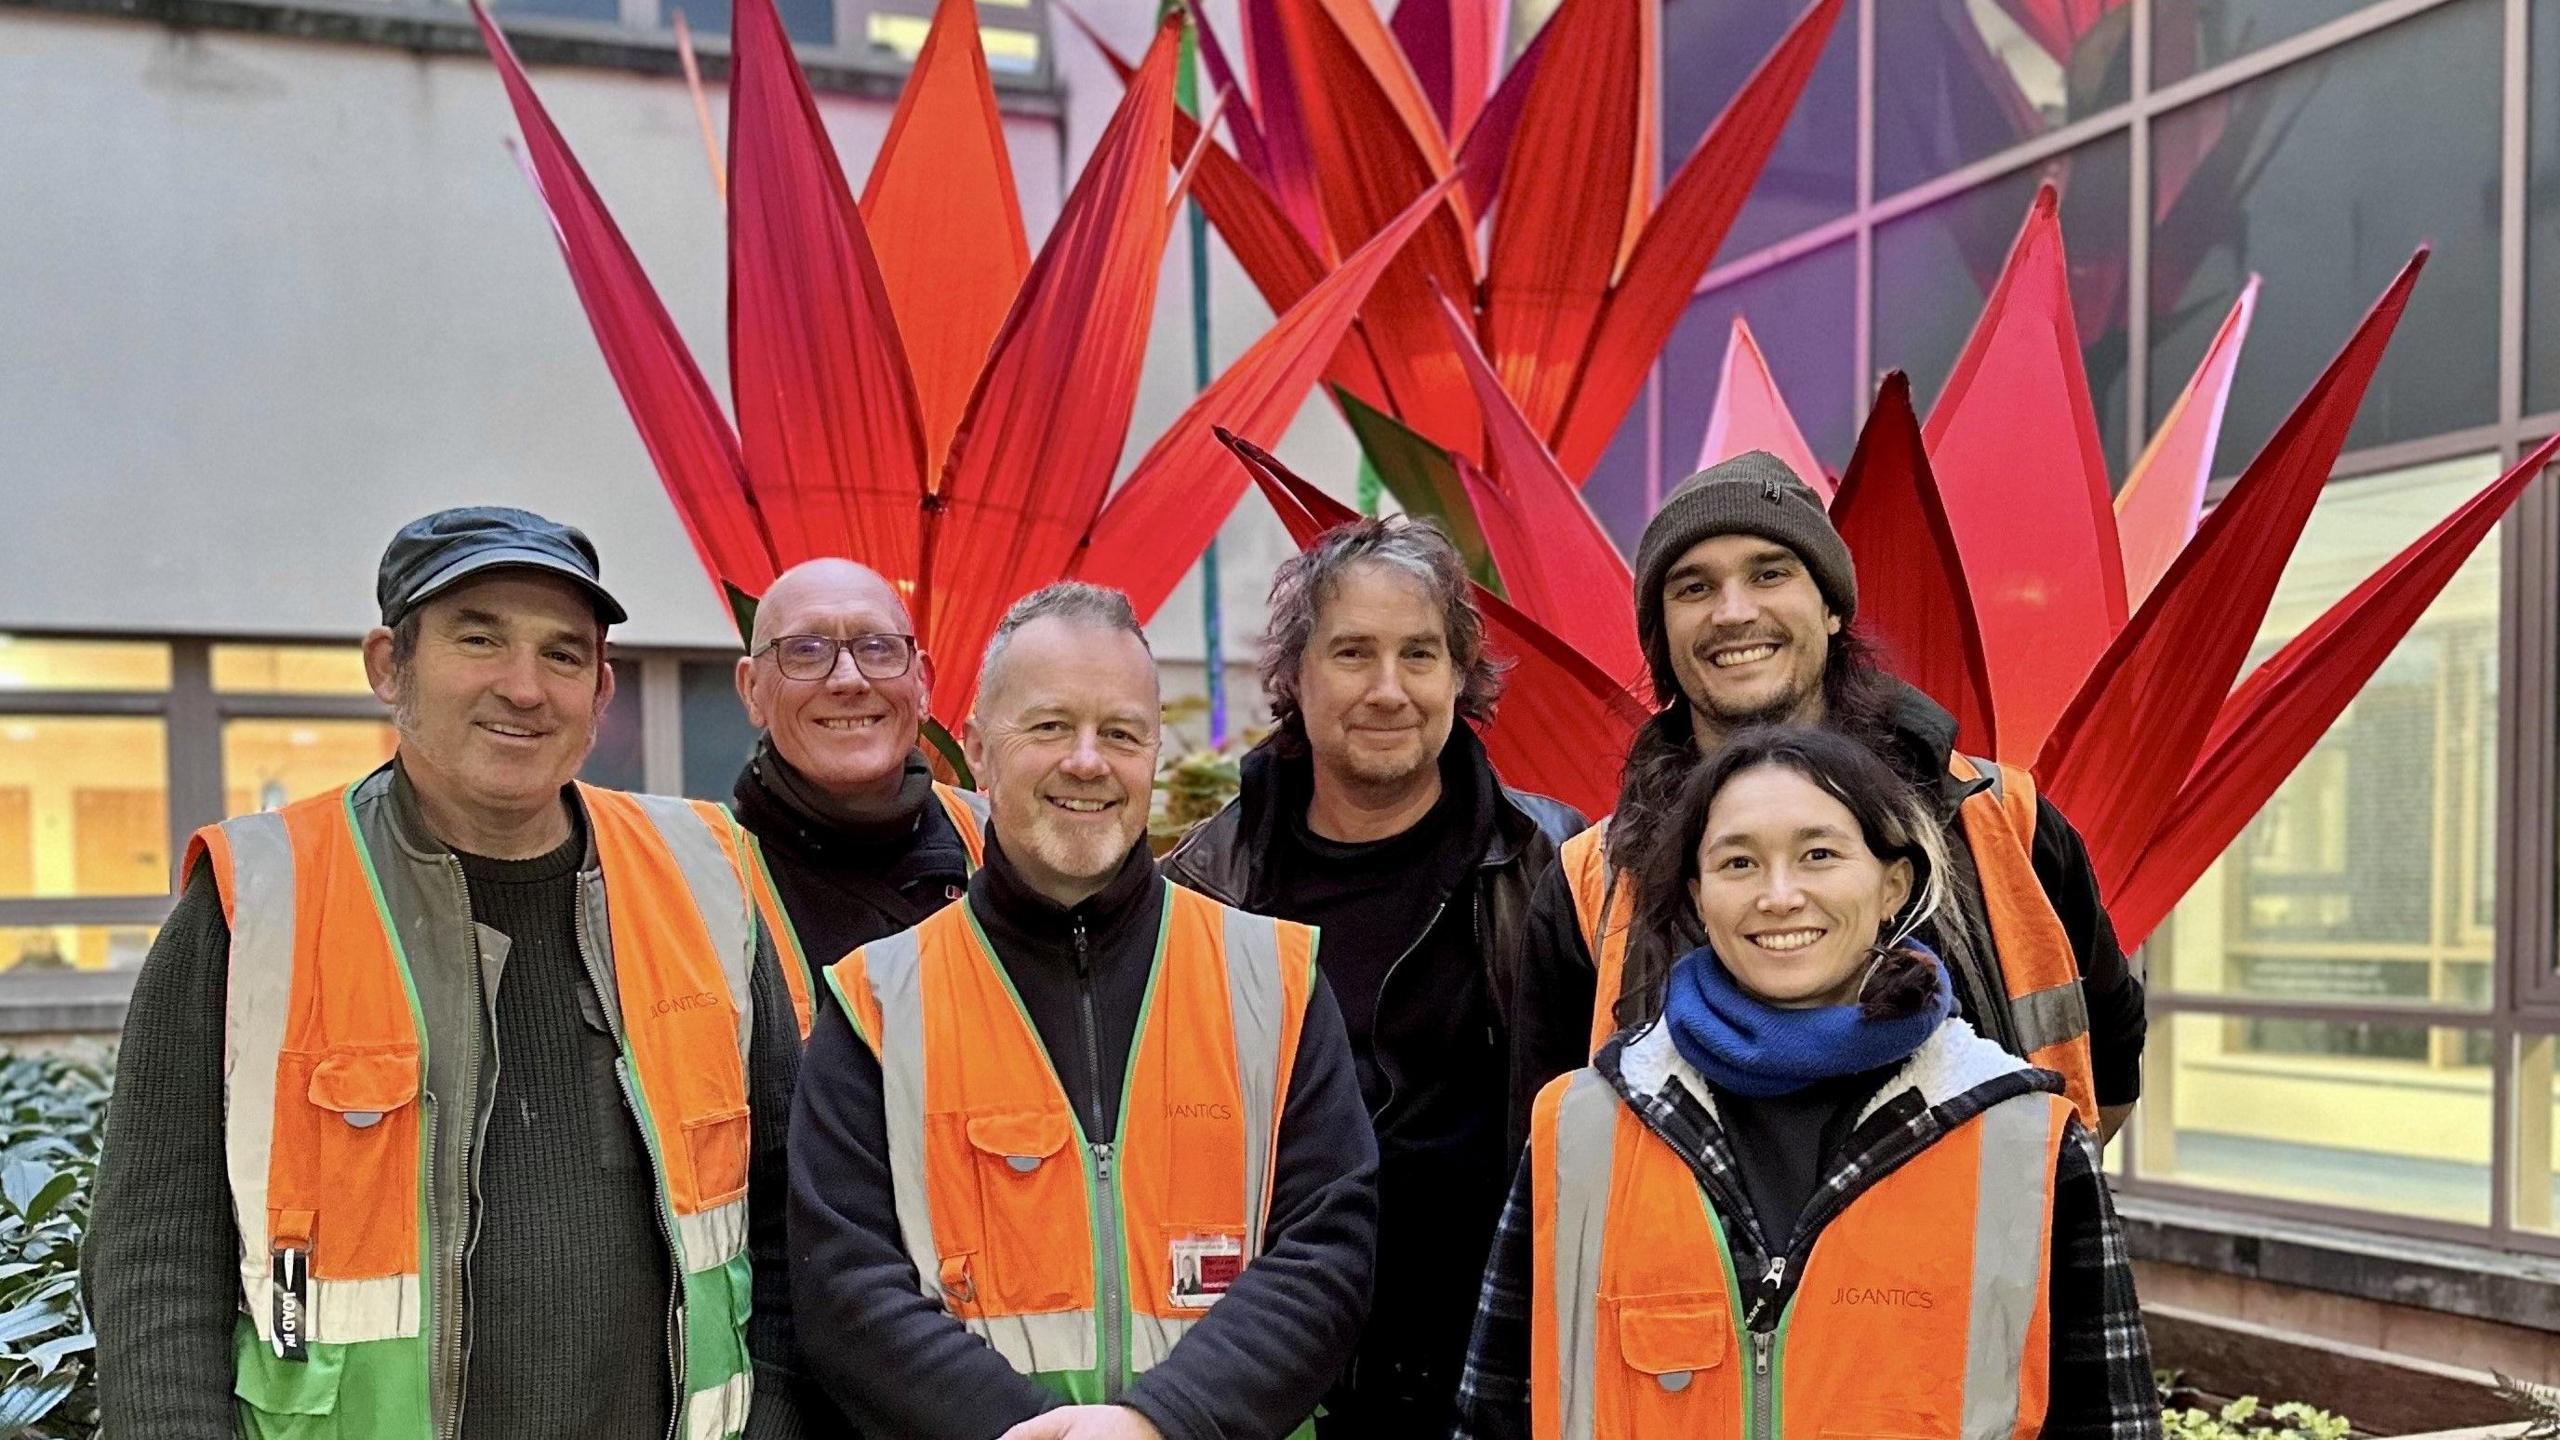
x: 813, y: 657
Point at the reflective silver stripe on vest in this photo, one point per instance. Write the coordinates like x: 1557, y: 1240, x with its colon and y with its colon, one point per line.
x: 719, y: 895
x: 1152, y: 1337
x: 1586, y: 1143
x: 1059, y: 1341
x: 1257, y: 1004
x: 897, y: 987
x: 2010, y: 1256
x: 2050, y: 1016
x: 255, y: 1008
x: 721, y: 1410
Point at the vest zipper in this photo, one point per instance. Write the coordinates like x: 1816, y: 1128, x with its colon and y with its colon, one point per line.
x: 1764, y: 1403
x: 1111, y: 1316
x: 453, y: 1330
x: 612, y: 1009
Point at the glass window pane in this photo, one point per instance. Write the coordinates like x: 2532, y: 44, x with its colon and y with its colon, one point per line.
x: 2537, y: 1167
x: 717, y: 737
x: 1804, y: 315
x: 605, y: 11
x: 1962, y: 80
x: 30, y: 951
x: 269, y: 764
x: 2370, y: 877
x: 2542, y: 215
x: 84, y: 808
x: 1709, y: 48
x: 1617, y: 490
x: 2189, y: 37
x: 2323, y: 177
x: 289, y: 670
x: 807, y: 22
x: 620, y: 759
x: 1936, y: 267
x: 27, y: 663
x: 2388, y: 1117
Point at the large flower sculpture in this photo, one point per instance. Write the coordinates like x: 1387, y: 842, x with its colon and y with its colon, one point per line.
x: 1340, y: 119
x: 914, y: 388
x: 2096, y: 636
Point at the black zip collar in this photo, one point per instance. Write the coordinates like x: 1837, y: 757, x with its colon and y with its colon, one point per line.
x: 1022, y: 922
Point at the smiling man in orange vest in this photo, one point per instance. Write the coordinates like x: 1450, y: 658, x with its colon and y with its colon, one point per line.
x: 441, y: 1092
x: 1744, y: 596
x: 1083, y: 1156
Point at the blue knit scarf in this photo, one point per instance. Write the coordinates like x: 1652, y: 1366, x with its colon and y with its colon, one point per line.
x: 1750, y: 1047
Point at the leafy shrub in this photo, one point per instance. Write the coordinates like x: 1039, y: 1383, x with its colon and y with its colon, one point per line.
x: 2539, y: 1403
x: 50, y: 1109
x: 2246, y: 1419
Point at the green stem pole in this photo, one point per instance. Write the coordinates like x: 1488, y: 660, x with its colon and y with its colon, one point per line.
x: 1187, y: 95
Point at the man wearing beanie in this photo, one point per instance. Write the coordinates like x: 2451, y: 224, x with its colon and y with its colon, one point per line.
x: 441, y: 1092
x: 1744, y: 596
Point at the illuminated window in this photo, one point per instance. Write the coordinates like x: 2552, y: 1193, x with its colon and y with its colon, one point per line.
x: 27, y: 663
x: 30, y: 951
x: 268, y: 764
x: 2366, y: 1116
x: 289, y: 670
x: 84, y: 809
x: 2370, y: 876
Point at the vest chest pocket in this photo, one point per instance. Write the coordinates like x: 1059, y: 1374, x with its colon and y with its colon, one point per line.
x: 362, y: 1191
x: 1034, y: 1248
x: 1671, y: 1352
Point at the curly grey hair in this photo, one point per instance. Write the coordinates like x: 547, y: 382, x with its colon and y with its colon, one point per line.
x: 1306, y: 580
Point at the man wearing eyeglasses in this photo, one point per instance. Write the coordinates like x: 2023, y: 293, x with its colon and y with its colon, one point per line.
x: 852, y: 838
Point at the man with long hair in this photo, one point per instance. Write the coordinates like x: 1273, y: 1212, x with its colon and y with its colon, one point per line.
x: 1373, y: 814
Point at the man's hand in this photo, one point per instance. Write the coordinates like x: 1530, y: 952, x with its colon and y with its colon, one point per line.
x: 1086, y: 1422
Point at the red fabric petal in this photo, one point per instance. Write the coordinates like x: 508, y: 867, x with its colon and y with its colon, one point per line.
x: 2138, y: 722
x: 1563, y: 727
x: 2015, y: 445
x: 1575, y: 182
x: 826, y: 410
x: 1154, y: 529
x: 2274, y: 719
x: 1486, y: 152
x: 679, y: 419
x: 1378, y: 146
x: 1244, y: 128
x: 1750, y: 414
x: 1283, y: 116
x: 1557, y: 563
x: 944, y: 219
x: 1035, y: 454
x: 1913, y: 596
x: 1679, y: 241
x: 2163, y: 497
x: 1450, y: 44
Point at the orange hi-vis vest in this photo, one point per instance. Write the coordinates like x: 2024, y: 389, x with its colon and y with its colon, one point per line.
x: 968, y: 812
x: 2048, y: 1013
x: 350, y: 1279
x: 1083, y: 1259
x: 1921, y: 1311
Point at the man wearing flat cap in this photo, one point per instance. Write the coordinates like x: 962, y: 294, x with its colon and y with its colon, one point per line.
x: 441, y: 1095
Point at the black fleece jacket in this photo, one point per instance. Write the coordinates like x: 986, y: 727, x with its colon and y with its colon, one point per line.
x: 846, y: 881
x: 1256, y: 1364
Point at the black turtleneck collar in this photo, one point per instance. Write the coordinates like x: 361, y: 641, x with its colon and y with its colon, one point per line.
x: 1017, y: 917
x: 779, y: 803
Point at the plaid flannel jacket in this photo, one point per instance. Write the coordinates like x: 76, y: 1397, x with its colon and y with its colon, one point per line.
x: 2101, y: 1385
